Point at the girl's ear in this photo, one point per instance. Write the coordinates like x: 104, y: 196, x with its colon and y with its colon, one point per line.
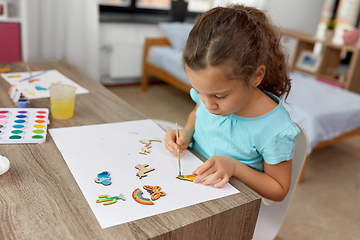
x: 258, y: 76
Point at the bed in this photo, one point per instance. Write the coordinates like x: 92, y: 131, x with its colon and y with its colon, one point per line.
x: 327, y: 114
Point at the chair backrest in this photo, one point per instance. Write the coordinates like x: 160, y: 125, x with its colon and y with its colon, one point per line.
x: 272, y: 216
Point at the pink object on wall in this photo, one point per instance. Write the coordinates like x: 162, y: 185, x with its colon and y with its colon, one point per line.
x: 351, y: 36
x: 10, y: 42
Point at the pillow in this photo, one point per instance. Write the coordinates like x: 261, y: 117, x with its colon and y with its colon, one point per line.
x: 176, y: 32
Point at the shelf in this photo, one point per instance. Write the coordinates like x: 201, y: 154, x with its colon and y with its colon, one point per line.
x: 11, y: 20
x: 309, y: 39
x: 331, y: 79
x: 330, y: 82
x: 330, y: 60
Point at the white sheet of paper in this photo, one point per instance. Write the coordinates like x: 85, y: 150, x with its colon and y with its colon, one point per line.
x: 28, y: 89
x: 115, y: 147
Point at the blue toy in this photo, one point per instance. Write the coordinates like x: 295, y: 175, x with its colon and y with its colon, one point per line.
x: 103, y: 178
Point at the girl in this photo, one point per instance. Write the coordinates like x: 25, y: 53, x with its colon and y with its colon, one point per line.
x: 237, y: 70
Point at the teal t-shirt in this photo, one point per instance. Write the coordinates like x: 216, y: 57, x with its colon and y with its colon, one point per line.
x: 269, y: 138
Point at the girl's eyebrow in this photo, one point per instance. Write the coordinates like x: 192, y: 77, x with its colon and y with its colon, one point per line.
x: 223, y: 93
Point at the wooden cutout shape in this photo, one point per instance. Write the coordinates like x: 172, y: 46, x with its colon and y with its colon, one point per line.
x: 138, y: 197
x: 103, y: 178
x: 142, y: 170
x: 189, y: 178
x: 106, y: 199
x: 155, y: 192
x: 147, y: 142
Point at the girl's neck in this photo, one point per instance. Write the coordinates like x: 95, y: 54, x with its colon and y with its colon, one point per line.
x: 258, y: 105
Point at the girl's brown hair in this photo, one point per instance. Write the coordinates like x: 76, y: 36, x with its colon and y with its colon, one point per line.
x: 242, y: 37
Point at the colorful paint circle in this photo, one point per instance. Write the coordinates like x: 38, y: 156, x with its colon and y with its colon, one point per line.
x: 37, y: 137
x: 21, y: 116
x: 41, y: 112
x: 22, y: 111
x: 19, y: 121
x: 1, y: 126
x: 38, y: 131
x: 17, y: 131
x: 3, y: 116
x: 2, y: 121
x: 3, y: 112
x: 15, y: 137
x: 39, y: 121
x: 18, y: 126
x: 39, y: 126
x: 40, y: 116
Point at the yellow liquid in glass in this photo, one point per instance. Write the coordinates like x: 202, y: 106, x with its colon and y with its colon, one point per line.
x: 62, y: 108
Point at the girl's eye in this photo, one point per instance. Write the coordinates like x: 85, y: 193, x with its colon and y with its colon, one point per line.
x: 217, y: 97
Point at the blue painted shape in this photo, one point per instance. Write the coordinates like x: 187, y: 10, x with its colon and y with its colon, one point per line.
x: 103, y: 178
x: 40, y: 88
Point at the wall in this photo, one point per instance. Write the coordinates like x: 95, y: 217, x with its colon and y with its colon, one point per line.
x: 121, y: 44
x: 255, y: 3
x: 299, y: 15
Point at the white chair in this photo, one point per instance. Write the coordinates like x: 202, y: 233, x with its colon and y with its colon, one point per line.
x: 271, y: 216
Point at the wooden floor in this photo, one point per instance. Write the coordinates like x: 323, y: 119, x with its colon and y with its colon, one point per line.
x: 324, y: 207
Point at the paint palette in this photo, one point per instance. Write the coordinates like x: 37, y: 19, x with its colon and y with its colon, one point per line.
x: 23, y: 125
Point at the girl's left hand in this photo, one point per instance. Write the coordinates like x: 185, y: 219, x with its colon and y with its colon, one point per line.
x: 221, y: 167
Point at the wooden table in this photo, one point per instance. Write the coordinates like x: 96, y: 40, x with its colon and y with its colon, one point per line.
x: 40, y: 199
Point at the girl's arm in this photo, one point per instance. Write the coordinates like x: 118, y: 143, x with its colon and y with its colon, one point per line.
x: 185, y: 135
x: 273, y: 183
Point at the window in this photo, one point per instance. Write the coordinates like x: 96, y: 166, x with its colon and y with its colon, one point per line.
x: 151, y: 6
x: 156, y: 4
x: 122, y: 3
x: 199, y: 5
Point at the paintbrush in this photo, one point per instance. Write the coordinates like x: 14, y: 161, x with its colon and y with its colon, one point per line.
x: 178, y: 150
x: 36, y: 75
x: 29, y: 70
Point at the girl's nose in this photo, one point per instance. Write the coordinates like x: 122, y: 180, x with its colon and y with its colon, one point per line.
x: 210, y: 105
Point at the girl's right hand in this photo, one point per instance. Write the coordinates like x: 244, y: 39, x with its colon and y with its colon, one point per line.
x: 183, y: 142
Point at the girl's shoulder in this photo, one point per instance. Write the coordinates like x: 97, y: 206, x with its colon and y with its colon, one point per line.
x: 272, y: 119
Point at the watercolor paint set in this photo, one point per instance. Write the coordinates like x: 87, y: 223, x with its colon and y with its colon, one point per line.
x: 23, y: 125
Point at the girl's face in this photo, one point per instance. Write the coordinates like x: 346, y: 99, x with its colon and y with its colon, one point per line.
x: 220, y: 95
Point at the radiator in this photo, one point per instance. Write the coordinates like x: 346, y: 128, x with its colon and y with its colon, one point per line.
x: 126, y: 60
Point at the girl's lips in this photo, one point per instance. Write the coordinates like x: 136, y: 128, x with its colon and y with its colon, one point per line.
x: 214, y: 113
